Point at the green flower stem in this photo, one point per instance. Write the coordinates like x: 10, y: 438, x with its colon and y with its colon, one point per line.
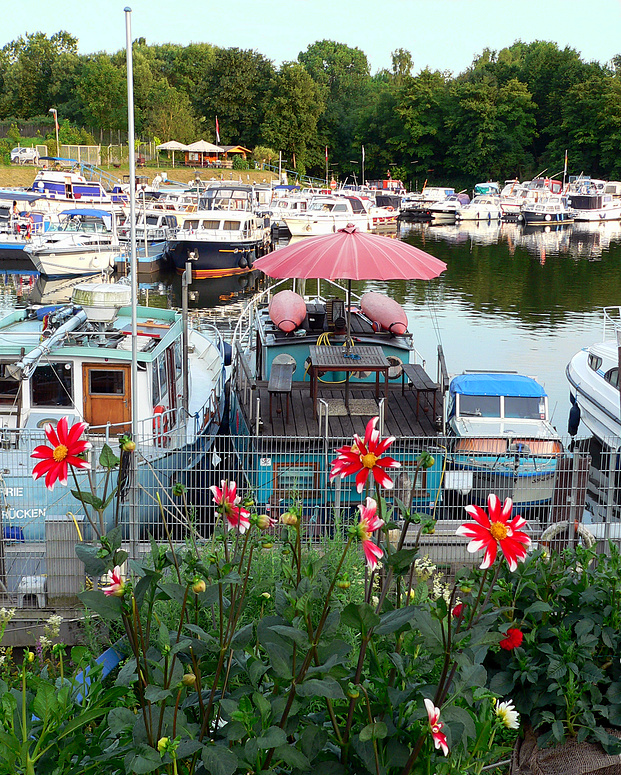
x: 86, y: 511
x: 370, y: 717
x: 142, y: 674
x: 169, y: 537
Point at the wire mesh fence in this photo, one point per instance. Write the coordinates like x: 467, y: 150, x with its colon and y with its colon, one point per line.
x: 573, y: 496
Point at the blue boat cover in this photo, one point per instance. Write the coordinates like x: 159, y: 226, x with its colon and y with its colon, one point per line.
x: 491, y: 384
x: 88, y: 211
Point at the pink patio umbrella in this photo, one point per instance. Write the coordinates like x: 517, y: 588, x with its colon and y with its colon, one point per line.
x: 349, y: 254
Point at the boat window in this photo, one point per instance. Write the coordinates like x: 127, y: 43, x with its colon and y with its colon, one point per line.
x: 340, y: 208
x: 106, y: 383
x: 294, y: 477
x: 479, y: 406
x: 178, y: 359
x: 213, y: 225
x: 231, y: 225
x: 156, y: 386
x: 612, y: 376
x: 161, y: 367
x: 595, y: 362
x: 9, y: 388
x: 190, y: 225
x: 152, y: 220
x: 52, y: 385
x: 525, y: 408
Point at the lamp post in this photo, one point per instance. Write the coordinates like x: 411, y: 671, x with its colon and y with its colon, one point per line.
x: 54, y: 112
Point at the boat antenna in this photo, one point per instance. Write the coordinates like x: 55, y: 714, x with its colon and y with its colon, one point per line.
x: 539, y: 174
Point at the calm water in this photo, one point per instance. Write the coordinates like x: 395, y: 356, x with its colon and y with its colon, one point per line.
x: 510, y: 299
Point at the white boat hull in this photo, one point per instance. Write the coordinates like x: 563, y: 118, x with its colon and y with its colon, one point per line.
x: 63, y: 264
x: 311, y: 226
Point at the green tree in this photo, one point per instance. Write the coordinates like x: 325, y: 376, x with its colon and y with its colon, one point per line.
x: 103, y: 89
x: 293, y: 107
x: 28, y: 71
x: 491, y: 126
x: 169, y: 114
x: 341, y: 73
x: 234, y: 89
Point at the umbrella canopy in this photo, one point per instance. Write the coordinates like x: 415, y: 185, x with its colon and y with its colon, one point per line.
x: 350, y: 254
x: 172, y: 145
x: 202, y: 146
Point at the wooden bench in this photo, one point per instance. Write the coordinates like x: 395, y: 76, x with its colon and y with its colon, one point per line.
x: 281, y: 375
x: 421, y: 382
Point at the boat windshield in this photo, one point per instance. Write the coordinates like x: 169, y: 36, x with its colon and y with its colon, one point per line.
x: 515, y: 407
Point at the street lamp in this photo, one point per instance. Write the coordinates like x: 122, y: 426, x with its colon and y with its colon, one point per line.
x: 55, y: 114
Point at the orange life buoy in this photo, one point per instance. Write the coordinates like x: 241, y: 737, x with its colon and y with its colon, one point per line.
x: 391, y: 209
x: 160, y: 426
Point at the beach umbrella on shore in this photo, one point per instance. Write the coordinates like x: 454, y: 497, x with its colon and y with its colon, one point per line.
x: 172, y: 145
x: 349, y: 254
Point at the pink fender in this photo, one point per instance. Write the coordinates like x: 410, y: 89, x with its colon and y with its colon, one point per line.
x: 287, y: 310
x: 386, y: 311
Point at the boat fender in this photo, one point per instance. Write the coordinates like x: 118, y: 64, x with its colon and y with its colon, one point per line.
x: 548, y: 217
x: 574, y: 420
x: 160, y: 426
x: 242, y: 263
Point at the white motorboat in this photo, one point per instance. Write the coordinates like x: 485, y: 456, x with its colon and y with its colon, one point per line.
x: 503, y: 440
x: 447, y: 210
x: 593, y: 375
x: 549, y: 210
x: 75, y: 361
x: 328, y: 214
x: 591, y: 202
x: 482, y: 208
x: 83, y: 242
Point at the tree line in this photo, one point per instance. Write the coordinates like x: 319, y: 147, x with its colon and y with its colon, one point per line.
x: 512, y: 113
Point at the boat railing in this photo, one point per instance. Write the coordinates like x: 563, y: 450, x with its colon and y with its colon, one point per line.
x: 612, y: 322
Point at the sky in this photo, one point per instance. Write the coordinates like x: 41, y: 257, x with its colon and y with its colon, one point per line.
x: 440, y: 34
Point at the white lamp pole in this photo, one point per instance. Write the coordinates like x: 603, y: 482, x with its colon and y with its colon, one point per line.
x: 54, y: 112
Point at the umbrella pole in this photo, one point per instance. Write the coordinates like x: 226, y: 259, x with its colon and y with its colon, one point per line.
x: 348, y: 342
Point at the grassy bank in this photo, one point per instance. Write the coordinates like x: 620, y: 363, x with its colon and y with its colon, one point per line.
x: 15, y: 175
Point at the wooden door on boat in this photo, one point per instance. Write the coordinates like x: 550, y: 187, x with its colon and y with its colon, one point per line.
x: 107, y: 395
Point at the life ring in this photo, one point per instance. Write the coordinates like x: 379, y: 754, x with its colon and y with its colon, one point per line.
x: 551, y: 532
x: 390, y: 209
x: 396, y: 367
x: 160, y: 426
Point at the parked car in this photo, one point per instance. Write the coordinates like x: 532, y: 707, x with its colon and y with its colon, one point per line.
x: 24, y: 155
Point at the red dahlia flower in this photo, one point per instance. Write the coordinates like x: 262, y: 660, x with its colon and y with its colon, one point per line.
x: 369, y: 523
x: 66, y: 445
x: 513, y: 640
x: 227, y: 499
x: 439, y: 738
x: 364, y: 456
x: 495, y: 530
x: 116, y: 588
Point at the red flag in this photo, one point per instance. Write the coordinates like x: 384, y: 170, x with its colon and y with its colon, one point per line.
x: 326, y: 153
x: 56, y: 122
x: 217, y: 131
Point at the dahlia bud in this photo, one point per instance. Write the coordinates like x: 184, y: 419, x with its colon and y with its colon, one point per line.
x: 198, y: 586
x: 161, y: 744
x: 289, y: 518
x: 189, y: 679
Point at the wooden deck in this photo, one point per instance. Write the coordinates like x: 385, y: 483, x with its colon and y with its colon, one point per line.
x: 399, y: 411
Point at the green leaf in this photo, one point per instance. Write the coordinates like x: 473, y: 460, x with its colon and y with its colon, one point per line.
x: 375, y: 731
x: 93, y: 565
x: 538, y: 607
x: 292, y: 757
x: 272, y: 738
x: 155, y: 693
x: 402, y: 560
x: 120, y: 719
x: 88, y: 497
x: 145, y: 759
x: 219, y: 760
x: 558, y: 732
x: 242, y: 637
x: 45, y: 702
x: 291, y: 633
x: 321, y: 687
x: 279, y: 659
x: 395, y: 620
x: 108, y: 607
x: 107, y: 458
x: 360, y: 617
x: 313, y: 740
x: 174, y: 591
x: 127, y: 674
x: 502, y: 683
